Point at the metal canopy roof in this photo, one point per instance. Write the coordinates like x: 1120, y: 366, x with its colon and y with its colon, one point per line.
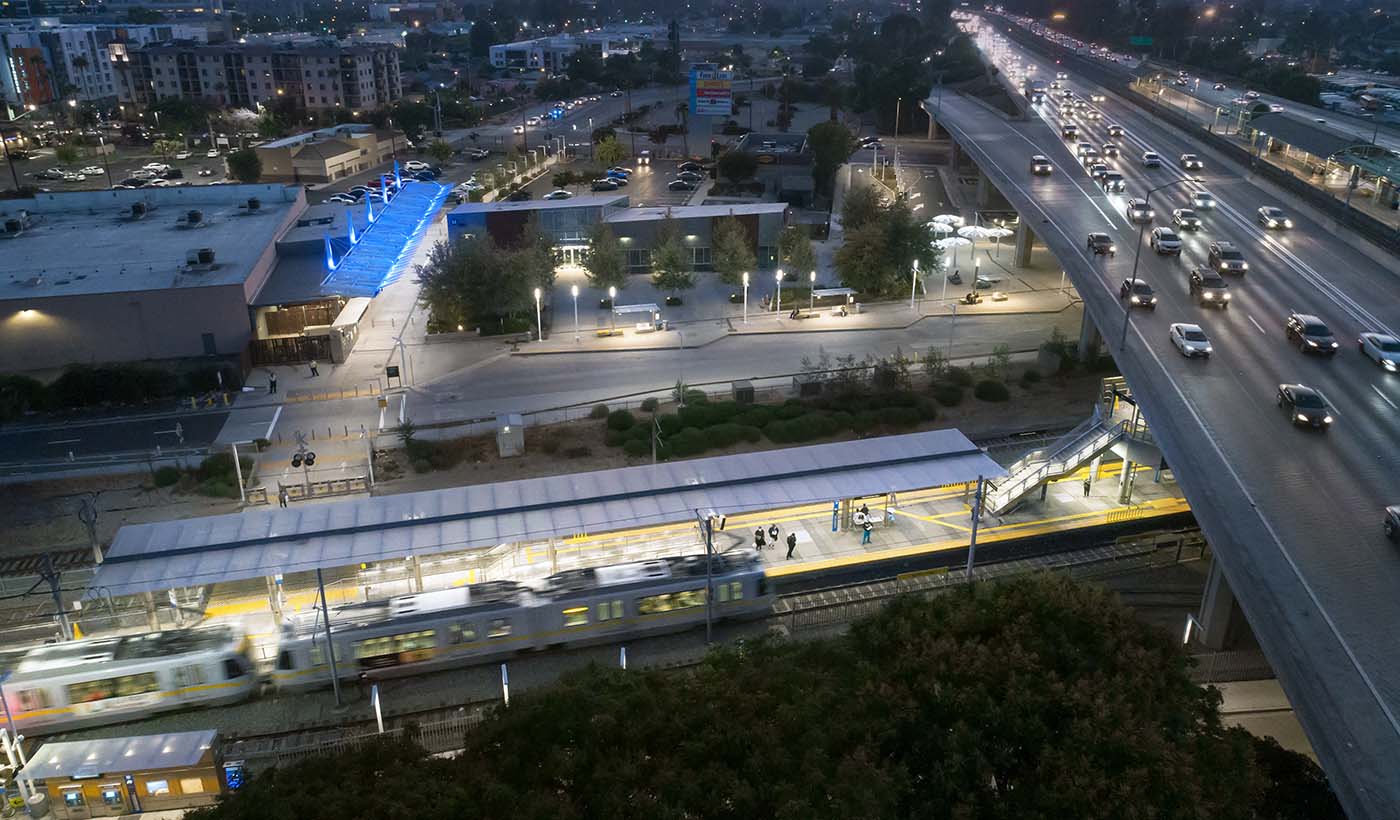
x: 1311, y: 137
x: 117, y: 755
x: 264, y: 542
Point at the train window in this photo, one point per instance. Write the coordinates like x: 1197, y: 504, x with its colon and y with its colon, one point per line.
x: 233, y: 669
x: 667, y: 601
x: 608, y: 610
x: 124, y: 686
x: 722, y: 591
x: 576, y: 616
x: 284, y: 660
x: 461, y: 633
x: 763, y: 585
x: 318, y: 654
x: 736, y: 590
x: 157, y: 788
x: 112, y: 796
x: 408, y: 642
x: 31, y: 700
x: 188, y: 676
x: 617, y: 609
x: 499, y: 628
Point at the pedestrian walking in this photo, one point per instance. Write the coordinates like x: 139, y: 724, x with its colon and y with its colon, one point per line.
x: 314, y: 371
x: 758, y: 539
x: 1088, y: 485
x: 792, y: 544
x: 282, y: 497
x: 773, y: 534
x: 271, y: 382
x: 865, y: 532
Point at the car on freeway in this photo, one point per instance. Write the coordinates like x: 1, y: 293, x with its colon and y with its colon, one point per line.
x: 644, y: 157
x: 1275, y: 218
x: 1209, y: 288
x: 1186, y: 219
x: 1226, y: 258
x: 558, y: 193
x: 1381, y: 348
x: 1391, y: 524
x: 1191, y: 162
x: 1151, y: 159
x: 1111, y: 150
x: 681, y: 185
x: 1115, y: 130
x: 605, y: 184
x: 1165, y: 241
x: 1098, y: 171
x: 1304, y: 406
x: 519, y: 129
x: 1139, y: 211
x: 532, y: 121
x: 1311, y: 334
x: 1054, y: 85
x: 1202, y: 199
x: 690, y: 176
x: 1102, y: 243
x: 1275, y: 108
x: 1093, y: 114
x: 1190, y: 340
x: 1114, y: 183
x: 1091, y: 157
x: 1061, y: 75
x: 1069, y: 131
x: 90, y: 170
x: 212, y: 153
x: 1138, y: 293
x: 1082, y: 148
x: 1251, y: 95
x: 1098, y: 98
x: 1040, y: 165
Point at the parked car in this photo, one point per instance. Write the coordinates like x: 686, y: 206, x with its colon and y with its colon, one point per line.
x: 212, y: 153
x: 681, y: 185
x: 605, y: 184
x: 415, y: 165
x: 183, y: 155
x: 690, y: 176
x: 558, y: 193
x: 90, y: 170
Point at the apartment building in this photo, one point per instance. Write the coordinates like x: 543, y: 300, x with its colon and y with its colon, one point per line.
x: 44, y: 60
x: 318, y: 75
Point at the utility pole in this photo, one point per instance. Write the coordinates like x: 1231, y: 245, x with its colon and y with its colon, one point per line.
x: 707, y: 530
x: 330, y: 645
x: 47, y: 574
x: 976, y: 517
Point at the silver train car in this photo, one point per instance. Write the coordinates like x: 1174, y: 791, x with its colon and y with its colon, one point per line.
x: 491, y: 621
x: 84, y: 683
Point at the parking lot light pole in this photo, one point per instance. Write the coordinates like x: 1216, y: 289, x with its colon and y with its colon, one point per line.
x: 746, y: 297
x: 812, y: 294
x: 612, y: 310
x: 778, y: 305
x: 1142, y: 229
x: 539, y: 316
x: 574, y: 291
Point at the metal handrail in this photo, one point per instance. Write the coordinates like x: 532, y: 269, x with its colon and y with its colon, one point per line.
x: 1003, y: 495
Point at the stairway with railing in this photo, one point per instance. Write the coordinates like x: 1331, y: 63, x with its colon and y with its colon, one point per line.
x: 1069, y: 453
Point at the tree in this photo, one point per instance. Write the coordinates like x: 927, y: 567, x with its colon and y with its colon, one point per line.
x: 609, y: 152
x: 732, y: 250
x: 604, y: 261
x: 860, y: 207
x: 737, y: 166
x: 878, y: 257
x: 795, y: 249
x: 534, y: 256
x: 167, y: 149
x: 244, y: 165
x: 67, y: 153
x: 1029, y: 698
x: 473, y: 281
x: 440, y: 150
x: 831, y: 144
x: 670, y: 261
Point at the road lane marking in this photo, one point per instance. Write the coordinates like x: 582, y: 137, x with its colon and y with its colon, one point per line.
x: 1256, y: 324
x: 1384, y: 398
x: 66, y: 441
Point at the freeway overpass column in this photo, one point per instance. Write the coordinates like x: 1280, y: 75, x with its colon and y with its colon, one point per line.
x: 1125, y: 482
x: 984, y: 191
x: 1089, y: 339
x: 1025, y: 242
x: 954, y: 155
x: 1219, y: 612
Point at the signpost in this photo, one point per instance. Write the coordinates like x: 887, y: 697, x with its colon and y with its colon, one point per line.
x: 711, y: 91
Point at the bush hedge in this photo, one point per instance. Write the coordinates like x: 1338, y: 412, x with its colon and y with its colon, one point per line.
x: 960, y: 376
x: 650, y: 404
x: 947, y: 394
x: 621, y: 420
x: 166, y: 476
x: 636, y: 448
x: 991, y: 390
x: 599, y: 411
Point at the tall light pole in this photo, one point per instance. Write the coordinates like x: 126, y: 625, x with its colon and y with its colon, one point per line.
x: 574, y: 292
x: 539, y: 315
x: 914, y: 284
x: 5, y: 146
x: 812, y: 294
x: 746, y: 297
x: 778, y: 305
x: 612, y: 310
x: 1142, y: 229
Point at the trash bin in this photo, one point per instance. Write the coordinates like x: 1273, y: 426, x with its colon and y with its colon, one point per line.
x: 743, y: 392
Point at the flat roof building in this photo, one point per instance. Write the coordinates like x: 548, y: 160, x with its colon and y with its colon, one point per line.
x: 551, y: 54
x: 130, y: 275
x: 328, y: 154
x: 108, y: 777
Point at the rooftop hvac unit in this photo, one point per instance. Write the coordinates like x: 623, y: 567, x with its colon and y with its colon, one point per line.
x: 138, y: 210
x: 14, y: 227
x: 194, y: 217
x: 254, y: 204
x: 199, y: 259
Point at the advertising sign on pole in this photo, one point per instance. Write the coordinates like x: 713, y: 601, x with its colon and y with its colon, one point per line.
x: 711, y: 91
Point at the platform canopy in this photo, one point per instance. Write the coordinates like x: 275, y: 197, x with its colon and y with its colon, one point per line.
x: 119, y: 755
x: 268, y: 541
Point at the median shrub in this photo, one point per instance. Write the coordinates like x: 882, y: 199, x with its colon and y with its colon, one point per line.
x: 960, y: 376
x: 650, y: 404
x: 166, y: 476
x: 947, y: 394
x: 621, y: 420
x: 637, y: 449
x: 991, y: 390
x: 599, y: 411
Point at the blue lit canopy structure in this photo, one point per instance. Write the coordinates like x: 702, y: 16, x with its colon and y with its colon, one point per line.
x: 380, y: 253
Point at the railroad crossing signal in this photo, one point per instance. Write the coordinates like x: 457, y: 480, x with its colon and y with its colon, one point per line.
x: 299, y: 458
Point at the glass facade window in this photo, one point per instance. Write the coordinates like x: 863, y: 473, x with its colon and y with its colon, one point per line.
x: 700, y: 258
x: 638, y: 260
x: 567, y: 224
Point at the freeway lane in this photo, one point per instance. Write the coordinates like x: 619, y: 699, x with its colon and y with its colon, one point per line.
x: 1296, y: 514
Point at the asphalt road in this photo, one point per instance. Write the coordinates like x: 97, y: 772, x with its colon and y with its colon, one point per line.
x: 1314, y: 572
x: 99, y: 437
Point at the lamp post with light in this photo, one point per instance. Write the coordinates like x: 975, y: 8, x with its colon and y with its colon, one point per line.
x: 778, y: 305
x: 5, y: 146
x: 746, y: 297
x: 612, y: 310
x: 1142, y: 229
x: 539, y: 315
x: 574, y: 292
x: 812, y: 293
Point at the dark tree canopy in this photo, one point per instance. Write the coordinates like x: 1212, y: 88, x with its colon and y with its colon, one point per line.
x: 1035, y: 698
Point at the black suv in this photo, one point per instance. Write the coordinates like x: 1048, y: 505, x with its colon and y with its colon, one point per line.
x: 1304, y: 405
x: 1138, y: 293
x: 1209, y: 288
x: 1226, y: 258
x: 1310, y: 333
x: 1102, y: 243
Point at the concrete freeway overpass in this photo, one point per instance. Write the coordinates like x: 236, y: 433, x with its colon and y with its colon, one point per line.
x: 1294, y: 517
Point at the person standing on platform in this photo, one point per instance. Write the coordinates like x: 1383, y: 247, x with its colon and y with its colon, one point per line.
x: 271, y: 382
x: 792, y: 544
x: 314, y: 371
x: 1088, y: 485
x: 865, y: 531
x: 773, y: 534
x: 758, y: 539
x: 282, y: 497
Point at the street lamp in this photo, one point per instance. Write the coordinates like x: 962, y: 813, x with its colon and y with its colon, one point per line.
x: 5, y: 146
x: 778, y: 305
x: 812, y: 294
x: 539, y: 315
x: 746, y: 297
x: 574, y: 292
x: 612, y: 309
x: 1142, y: 229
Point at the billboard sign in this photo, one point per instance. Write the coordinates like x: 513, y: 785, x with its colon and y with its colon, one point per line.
x: 711, y: 91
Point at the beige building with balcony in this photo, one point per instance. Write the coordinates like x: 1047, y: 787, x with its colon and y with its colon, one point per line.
x: 327, y: 154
